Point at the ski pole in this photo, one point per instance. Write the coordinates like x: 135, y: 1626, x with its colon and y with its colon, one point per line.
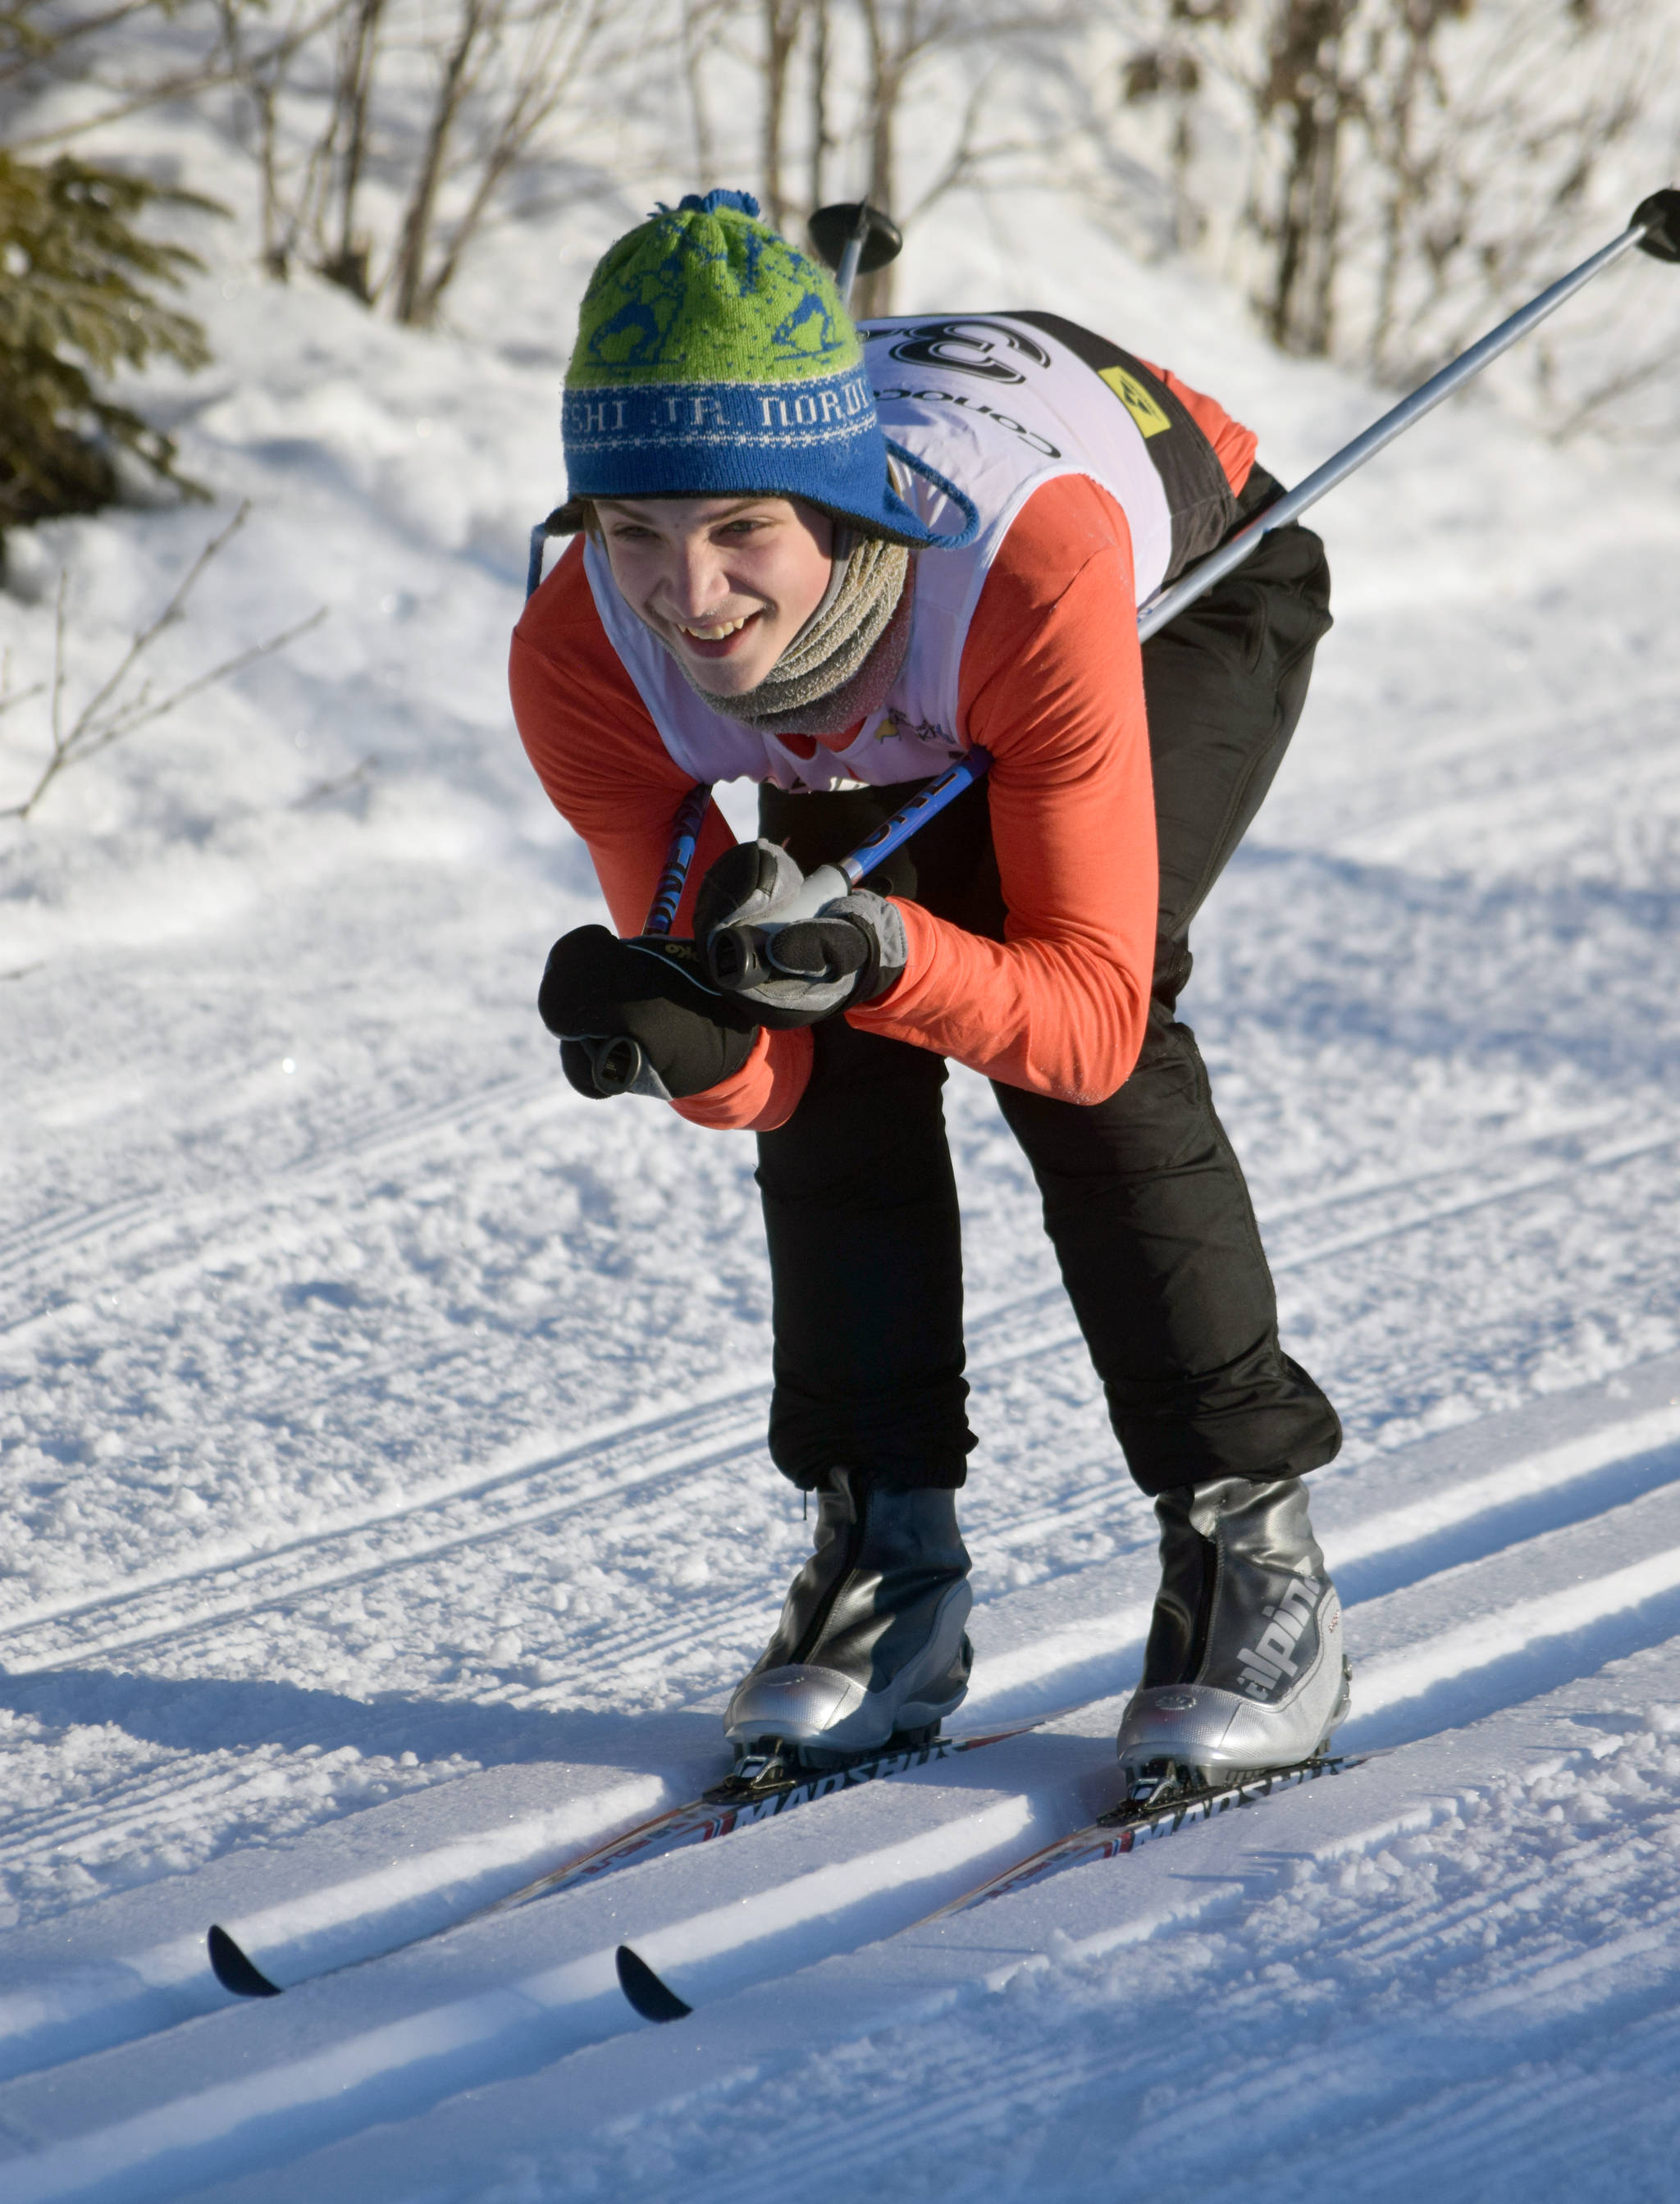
x: 679, y: 856
x: 620, y: 1065
x: 874, y: 850
x: 912, y: 817
x: 744, y: 949
x: 828, y: 881
x: 1655, y: 228
x: 855, y: 239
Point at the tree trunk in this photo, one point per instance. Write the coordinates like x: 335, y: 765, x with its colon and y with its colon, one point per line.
x: 821, y: 143
x: 781, y: 31
x: 408, y: 273
x: 695, y: 40
x: 1304, y: 81
x: 349, y: 263
x: 874, y: 293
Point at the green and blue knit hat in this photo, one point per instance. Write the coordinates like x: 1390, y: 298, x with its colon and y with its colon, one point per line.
x: 713, y: 359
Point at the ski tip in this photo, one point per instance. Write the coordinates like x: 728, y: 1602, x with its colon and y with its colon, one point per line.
x: 636, y: 1979
x: 234, y: 1972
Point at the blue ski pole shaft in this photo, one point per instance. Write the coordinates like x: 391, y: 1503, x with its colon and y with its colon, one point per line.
x: 892, y: 834
x: 621, y: 1065
x: 685, y: 838
x: 910, y: 818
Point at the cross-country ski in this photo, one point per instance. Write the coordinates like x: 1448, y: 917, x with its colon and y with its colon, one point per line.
x: 1155, y: 1806
x: 757, y: 1789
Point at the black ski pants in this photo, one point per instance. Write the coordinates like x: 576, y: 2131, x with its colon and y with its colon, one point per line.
x: 1144, y: 1200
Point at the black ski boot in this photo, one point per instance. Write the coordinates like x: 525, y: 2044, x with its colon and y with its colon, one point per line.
x: 1245, y: 1666
x: 870, y: 1644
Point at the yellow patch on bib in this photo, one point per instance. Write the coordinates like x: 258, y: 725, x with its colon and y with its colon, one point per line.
x: 1135, y: 400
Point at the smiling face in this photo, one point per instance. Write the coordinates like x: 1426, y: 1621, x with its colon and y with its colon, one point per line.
x: 727, y: 582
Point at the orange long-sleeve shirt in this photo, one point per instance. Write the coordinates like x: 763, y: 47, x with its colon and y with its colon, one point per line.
x: 1051, y: 684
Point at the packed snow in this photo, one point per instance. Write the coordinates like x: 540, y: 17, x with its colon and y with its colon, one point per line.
x: 386, y: 1504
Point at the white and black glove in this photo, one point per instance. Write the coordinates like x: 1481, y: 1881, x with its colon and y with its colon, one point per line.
x: 792, y: 950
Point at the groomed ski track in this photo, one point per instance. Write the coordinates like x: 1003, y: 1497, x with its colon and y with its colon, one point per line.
x: 386, y: 1506
x: 1563, y: 1525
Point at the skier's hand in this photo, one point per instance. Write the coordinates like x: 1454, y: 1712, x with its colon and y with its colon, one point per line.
x: 600, y: 995
x: 793, y: 971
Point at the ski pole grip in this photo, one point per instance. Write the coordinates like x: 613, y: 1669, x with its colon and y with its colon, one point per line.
x: 744, y: 955
x: 617, y: 1064
x: 1659, y: 217
x: 620, y: 1066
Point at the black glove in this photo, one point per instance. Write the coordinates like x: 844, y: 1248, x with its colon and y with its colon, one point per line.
x: 599, y: 992
x: 793, y: 971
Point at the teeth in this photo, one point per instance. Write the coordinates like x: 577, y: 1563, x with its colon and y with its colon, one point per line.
x: 716, y: 633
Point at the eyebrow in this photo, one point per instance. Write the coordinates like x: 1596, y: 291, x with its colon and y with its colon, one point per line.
x: 741, y: 504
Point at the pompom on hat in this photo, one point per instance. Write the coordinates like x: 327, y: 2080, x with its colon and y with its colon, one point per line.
x: 713, y: 359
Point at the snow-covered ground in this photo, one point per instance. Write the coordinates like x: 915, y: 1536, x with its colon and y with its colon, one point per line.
x: 385, y: 1502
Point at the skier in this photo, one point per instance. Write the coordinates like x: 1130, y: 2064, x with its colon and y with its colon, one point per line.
x: 828, y: 561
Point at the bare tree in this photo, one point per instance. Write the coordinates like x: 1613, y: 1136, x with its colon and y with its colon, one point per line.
x: 43, y: 42
x: 904, y: 42
x: 1172, y: 74
x: 476, y: 26
x: 702, y: 23
x: 338, y: 94
x: 783, y: 20
x: 827, y: 85
x: 347, y: 143
x: 821, y: 144
x: 508, y: 70
x: 264, y: 47
x: 1401, y: 168
x: 1410, y: 158
x: 39, y: 37
x: 1306, y: 90
x: 1468, y: 103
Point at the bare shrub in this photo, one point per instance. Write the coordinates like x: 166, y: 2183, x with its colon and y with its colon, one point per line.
x: 126, y: 701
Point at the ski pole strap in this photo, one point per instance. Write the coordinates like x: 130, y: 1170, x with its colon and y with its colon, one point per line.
x: 910, y: 818
x: 684, y: 834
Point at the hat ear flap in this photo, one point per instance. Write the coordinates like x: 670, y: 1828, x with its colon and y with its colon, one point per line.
x: 966, y: 504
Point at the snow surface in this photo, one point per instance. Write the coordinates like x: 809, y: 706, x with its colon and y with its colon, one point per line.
x: 385, y: 1503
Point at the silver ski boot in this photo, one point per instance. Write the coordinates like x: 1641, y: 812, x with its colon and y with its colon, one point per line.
x: 870, y: 1644
x: 1245, y: 1666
